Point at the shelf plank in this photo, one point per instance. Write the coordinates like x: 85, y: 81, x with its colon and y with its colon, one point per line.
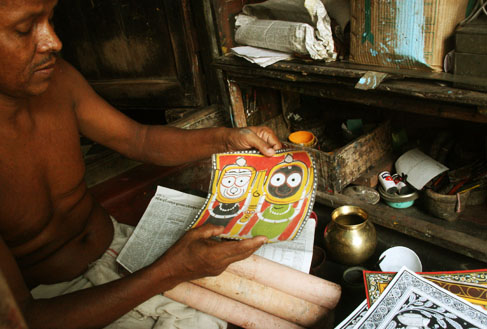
x: 338, y: 90
x: 466, y: 238
x: 424, y: 85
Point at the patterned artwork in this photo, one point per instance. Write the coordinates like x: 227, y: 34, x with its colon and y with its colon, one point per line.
x: 354, y: 317
x: 252, y: 194
x: 410, y: 301
x: 469, y: 285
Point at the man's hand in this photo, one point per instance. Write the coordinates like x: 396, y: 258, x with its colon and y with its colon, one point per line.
x: 196, y: 255
x: 261, y: 138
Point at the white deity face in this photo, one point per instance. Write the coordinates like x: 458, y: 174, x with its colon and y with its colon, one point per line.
x: 234, y: 183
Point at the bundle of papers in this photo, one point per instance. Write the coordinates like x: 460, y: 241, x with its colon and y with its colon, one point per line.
x: 292, y: 26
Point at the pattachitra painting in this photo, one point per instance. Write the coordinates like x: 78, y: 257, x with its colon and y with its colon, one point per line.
x: 470, y: 285
x: 251, y: 194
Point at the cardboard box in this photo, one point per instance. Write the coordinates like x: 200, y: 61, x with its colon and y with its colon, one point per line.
x: 471, y: 48
x: 411, y: 34
x: 339, y: 168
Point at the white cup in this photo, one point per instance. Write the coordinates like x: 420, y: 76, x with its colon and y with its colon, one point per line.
x: 393, y: 259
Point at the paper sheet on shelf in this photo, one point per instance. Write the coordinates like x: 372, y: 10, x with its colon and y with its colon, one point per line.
x: 168, y: 215
x: 260, y: 56
x: 418, y: 167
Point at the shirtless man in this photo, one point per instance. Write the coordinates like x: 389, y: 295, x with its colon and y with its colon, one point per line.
x: 51, y: 228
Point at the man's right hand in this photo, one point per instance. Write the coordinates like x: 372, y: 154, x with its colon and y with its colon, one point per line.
x: 196, y: 255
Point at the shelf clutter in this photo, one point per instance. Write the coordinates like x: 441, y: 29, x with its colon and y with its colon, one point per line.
x: 446, y: 36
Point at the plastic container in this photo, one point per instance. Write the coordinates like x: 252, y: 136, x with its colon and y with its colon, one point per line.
x: 303, y: 138
x: 393, y: 259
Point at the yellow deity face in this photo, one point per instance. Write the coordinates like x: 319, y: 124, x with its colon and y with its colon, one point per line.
x: 234, y: 183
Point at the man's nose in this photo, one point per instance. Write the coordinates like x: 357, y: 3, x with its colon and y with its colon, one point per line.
x: 48, y: 39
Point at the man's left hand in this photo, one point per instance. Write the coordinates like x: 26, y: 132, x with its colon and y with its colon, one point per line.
x: 259, y: 137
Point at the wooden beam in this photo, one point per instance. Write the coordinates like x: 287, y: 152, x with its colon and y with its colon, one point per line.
x: 388, y: 100
x: 337, y: 73
x: 238, y: 108
x: 211, y: 116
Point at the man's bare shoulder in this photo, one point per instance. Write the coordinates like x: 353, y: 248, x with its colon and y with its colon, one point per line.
x: 68, y: 82
x: 66, y: 72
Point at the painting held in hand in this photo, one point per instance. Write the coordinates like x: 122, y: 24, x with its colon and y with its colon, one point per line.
x: 252, y: 194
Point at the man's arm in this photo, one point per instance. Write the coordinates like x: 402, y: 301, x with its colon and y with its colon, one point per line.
x: 161, y: 145
x: 194, y: 256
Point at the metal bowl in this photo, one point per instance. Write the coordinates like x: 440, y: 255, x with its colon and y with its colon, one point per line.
x: 362, y: 193
x: 398, y: 200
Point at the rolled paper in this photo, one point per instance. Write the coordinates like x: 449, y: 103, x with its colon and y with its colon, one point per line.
x: 225, y: 308
x: 268, y: 299
x: 286, y: 279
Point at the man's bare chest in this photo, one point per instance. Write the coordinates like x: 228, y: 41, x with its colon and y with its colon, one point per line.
x: 38, y: 174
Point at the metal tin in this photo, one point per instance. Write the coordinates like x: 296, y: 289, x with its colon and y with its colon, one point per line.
x: 402, y: 187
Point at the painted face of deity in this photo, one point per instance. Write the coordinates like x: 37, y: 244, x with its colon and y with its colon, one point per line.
x: 286, y: 181
x: 235, y: 183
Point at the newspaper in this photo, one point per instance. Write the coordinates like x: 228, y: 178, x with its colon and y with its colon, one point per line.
x: 294, y: 26
x: 260, y: 56
x: 168, y: 215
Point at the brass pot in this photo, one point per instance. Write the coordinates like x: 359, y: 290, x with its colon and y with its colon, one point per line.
x: 350, y: 238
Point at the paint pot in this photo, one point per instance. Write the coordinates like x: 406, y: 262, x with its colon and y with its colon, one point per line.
x: 393, y: 259
x: 303, y: 138
x: 387, y: 182
x: 353, y: 279
x: 318, y: 262
x: 402, y: 187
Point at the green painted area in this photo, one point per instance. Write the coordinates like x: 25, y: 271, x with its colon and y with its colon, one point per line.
x: 470, y: 6
x: 368, y: 35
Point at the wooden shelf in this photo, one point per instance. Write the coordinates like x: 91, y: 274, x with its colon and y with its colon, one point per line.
x: 465, y: 236
x: 427, y: 93
x: 424, y: 93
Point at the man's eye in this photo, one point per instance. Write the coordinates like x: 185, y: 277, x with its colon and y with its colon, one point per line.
x: 24, y: 32
x: 24, y: 29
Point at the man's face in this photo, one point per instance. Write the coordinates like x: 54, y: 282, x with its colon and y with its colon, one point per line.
x: 28, y: 46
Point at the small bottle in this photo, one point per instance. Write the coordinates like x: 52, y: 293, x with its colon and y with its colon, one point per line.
x: 387, y: 182
x: 401, y: 186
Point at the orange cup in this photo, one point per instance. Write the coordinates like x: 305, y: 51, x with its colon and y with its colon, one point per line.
x: 303, y: 138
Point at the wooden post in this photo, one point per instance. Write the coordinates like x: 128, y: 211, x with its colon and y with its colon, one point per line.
x: 236, y: 101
